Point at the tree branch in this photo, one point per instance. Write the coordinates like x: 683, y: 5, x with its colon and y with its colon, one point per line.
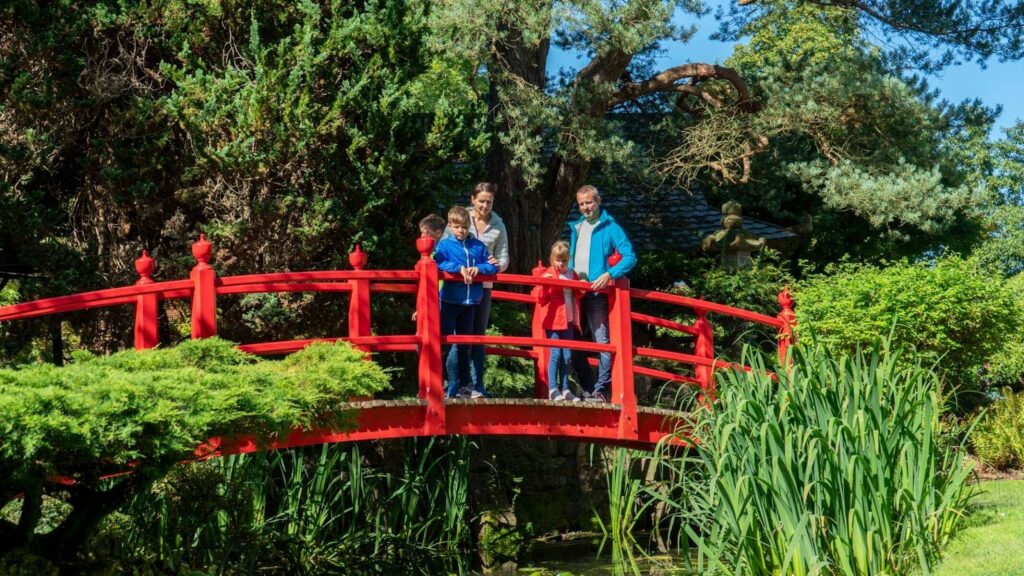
x: 605, y: 67
x: 666, y: 81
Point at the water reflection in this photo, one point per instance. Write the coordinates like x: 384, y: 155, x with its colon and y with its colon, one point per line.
x: 570, y: 558
x: 582, y: 558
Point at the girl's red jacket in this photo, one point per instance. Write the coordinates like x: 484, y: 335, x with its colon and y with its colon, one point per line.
x: 551, y: 300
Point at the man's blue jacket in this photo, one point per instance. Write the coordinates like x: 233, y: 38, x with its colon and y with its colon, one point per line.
x: 606, y: 238
x: 451, y: 256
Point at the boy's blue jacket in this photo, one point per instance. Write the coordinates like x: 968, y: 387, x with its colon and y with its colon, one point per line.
x: 607, y: 237
x: 451, y: 256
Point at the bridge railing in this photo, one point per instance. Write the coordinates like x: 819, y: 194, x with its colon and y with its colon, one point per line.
x: 204, y: 287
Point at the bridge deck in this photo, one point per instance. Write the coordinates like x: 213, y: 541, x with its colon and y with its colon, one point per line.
x: 406, y: 418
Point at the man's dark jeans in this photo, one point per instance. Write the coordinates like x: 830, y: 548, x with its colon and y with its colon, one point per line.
x: 594, y: 312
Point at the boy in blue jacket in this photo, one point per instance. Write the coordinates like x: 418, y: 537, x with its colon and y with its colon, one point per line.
x: 461, y: 254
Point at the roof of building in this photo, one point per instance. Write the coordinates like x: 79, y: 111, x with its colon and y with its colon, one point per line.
x: 673, y: 219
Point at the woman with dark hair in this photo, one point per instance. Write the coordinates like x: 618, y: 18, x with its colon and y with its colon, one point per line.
x: 486, y: 226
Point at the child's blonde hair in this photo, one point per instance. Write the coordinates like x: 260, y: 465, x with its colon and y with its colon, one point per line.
x: 559, y: 251
x: 458, y: 215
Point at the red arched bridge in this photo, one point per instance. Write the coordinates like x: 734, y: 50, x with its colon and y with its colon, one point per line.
x: 621, y: 421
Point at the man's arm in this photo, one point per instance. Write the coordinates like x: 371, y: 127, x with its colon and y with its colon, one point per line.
x: 625, y: 248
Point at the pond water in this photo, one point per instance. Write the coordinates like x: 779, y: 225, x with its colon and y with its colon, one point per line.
x: 581, y: 558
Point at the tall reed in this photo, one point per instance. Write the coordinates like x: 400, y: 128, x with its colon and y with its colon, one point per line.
x: 839, y: 467
x: 319, y: 510
x: 626, y: 506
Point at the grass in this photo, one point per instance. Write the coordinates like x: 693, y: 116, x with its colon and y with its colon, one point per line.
x: 991, y: 540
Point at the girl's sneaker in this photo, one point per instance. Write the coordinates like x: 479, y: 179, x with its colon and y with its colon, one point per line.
x: 569, y: 397
x: 555, y: 396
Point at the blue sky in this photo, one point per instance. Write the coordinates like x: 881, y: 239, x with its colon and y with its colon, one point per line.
x: 997, y: 84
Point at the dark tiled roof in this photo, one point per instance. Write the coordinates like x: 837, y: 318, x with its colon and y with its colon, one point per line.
x: 673, y: 219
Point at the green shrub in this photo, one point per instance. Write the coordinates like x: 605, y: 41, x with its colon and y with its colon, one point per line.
x: 1005, y: 368
x: 839, y: 467
x: 144, y: 410
x: 950, y: 312
x: 998, y: 439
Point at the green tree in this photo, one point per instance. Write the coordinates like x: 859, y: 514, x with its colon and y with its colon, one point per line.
x: 287, y: 131
x: 549, y: 130
x: 881, y: 169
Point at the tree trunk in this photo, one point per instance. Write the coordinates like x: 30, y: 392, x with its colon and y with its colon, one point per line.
x: 520, y: 207
x: 536, y: 216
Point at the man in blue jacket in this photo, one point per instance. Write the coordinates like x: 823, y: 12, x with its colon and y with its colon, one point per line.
x: 461, y: 254
x: 595, y: 237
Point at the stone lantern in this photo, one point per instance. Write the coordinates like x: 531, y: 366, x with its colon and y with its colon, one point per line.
x: 733, y: 244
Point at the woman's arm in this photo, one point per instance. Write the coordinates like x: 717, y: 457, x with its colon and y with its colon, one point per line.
x: 501, y: 248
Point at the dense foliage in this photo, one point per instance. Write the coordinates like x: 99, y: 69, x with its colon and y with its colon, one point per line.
x: 998, y: 440
x: 755, y: 288
x: 839, y: 467
x: 143, y: 411
x: 950, y: 312
x: 287, y: 131
x: 844, y: 138
x: 1005, y: 368
x: 551, y: 127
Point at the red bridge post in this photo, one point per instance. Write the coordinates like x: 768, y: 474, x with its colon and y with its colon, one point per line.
x: 704, y: 347
x: 543, y: 353
x: 146, y: 334
x: 359, y: 303
x: 788, y: 318
x: 204, y: 291
x: 620, y: 332
x: 428, y: 328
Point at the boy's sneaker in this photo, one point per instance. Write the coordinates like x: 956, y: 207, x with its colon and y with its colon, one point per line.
x: 597, y: 397
x: 466, y: 391
x: 555, y: 396
x: 570, y: 397
x: 475, y: 394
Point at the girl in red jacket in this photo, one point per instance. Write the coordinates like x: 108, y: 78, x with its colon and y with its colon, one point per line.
x: 559, y: 311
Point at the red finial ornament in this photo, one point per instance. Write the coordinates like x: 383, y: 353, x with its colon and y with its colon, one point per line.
x: 425, y: 245
x: 614, y: 259
x: 357, y: 258
x: 785, y: 299
x: 202, y: 251
x: 539, y: 269
x: 144, y: 265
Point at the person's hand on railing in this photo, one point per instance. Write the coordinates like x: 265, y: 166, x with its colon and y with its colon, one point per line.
x: 469, y: 273
x: 601, y: 282
x: 542, y: 294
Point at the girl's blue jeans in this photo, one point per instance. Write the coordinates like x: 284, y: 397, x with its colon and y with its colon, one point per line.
x: 558, y: 366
